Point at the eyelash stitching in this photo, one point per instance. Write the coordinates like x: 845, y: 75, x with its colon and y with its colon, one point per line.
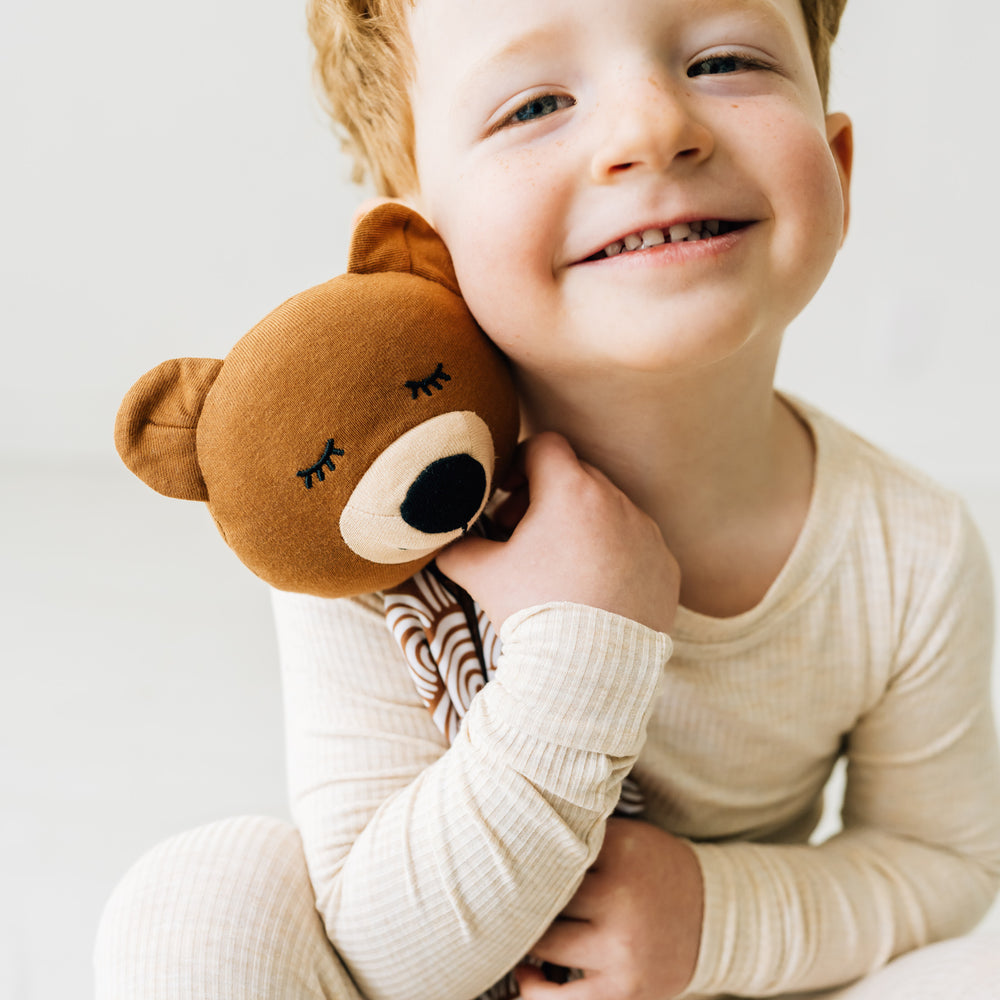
x: 317, y: 470
x: 424, y: 385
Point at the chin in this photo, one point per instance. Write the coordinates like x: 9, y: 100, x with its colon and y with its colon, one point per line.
x: 672, y: 351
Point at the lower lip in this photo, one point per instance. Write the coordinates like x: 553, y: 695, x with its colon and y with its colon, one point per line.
x: 674, y: 253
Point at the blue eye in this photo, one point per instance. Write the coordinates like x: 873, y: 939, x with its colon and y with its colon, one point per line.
x: 724, y: 64
x: 538, y: 107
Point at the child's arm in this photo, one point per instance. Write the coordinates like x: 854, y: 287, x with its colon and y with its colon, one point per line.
x: 435, y: 869
x: 918, y: 861
x: 919, y: 858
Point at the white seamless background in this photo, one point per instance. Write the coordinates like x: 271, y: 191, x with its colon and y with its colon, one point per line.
x: 167, y: 178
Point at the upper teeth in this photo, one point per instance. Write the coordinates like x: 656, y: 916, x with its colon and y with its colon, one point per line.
x: 682, y: 231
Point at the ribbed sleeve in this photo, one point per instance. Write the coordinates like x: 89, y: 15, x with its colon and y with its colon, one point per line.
x: 437, y: 868
x: 902, y: 654
x: 561, y: 681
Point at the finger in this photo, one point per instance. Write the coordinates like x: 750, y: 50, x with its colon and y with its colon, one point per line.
x: 549, y: 460
x: 569, y: 943
x: 546, y: 457
x: 552, y: 473
x: 534, y: 986
x: 533, y: 982
x: 600, y: 476
x: 537, y: 464
x: 514, y: 476
x: 466, y: 559
x: 546, y: 450
x: 511, y: 509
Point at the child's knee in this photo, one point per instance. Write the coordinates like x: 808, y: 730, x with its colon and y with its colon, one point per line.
x: 223, y: 911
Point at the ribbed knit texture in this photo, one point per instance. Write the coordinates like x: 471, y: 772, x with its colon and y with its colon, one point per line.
x: 226, y: 912
x: 436, y: 869
x: 218, y: 913
x: 406, y: 842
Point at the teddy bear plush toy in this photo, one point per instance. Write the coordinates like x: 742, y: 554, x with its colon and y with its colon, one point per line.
x: 347, y: 438
x: 351, y: 434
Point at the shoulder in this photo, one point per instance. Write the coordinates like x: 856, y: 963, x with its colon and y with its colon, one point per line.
x: 891, y: 495
x: 914, y: 531
x: 335, y: 635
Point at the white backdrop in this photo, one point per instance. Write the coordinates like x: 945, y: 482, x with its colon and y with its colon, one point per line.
x: 167, y: 178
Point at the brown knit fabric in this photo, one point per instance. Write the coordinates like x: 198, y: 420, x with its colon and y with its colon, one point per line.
x: 277, y: 437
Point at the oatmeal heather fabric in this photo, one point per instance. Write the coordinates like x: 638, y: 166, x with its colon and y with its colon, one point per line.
x: 452, y: 651
x: 437, y: 866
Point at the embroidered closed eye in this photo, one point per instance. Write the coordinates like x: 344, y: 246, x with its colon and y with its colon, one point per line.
x: 325, y: 462
x: 429, y: 382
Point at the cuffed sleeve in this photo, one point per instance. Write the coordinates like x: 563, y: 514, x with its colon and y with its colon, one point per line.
x: 437, y: 868
x: 919, y: 857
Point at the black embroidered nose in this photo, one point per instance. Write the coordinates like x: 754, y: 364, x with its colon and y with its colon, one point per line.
x: 446, y: 495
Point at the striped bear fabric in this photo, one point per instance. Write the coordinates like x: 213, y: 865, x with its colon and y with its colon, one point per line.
x: 450, y: 659
x: 452, y: 652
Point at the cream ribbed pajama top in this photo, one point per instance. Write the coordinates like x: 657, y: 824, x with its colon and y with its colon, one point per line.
x: 436, y: 868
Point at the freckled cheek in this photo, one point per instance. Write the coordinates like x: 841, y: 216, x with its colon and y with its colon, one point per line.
x: 497, y: 289
x: 501, y: 221
x: 500, y: 228
x: 821, y: 186
x: 488, y: 261
x: 810, y: 244
x: 805, y: 192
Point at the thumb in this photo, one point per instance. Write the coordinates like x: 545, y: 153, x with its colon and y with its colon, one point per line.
x: 466, y: 561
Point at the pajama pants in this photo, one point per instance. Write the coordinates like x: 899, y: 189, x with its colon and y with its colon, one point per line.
x: 226, y: 912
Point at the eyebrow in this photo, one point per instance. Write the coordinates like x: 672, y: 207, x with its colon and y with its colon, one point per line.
x: 518, y: 47
x: 522, y: 45
x: 761, y: 10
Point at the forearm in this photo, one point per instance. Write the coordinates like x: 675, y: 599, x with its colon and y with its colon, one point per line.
x: 436, y: 870
x: 783, y: 918
x: 920, y: 856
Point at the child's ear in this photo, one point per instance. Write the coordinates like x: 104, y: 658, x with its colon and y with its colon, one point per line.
x: 840, y: 136
x: 393, y: 237
x: 155, y: 432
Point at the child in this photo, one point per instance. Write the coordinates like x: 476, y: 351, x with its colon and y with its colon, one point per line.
x: 712, y: 586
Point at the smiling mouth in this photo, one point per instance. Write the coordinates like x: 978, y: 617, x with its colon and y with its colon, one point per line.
x: 681, y: 232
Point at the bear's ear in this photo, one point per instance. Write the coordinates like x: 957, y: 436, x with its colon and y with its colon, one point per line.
x: 392, y: 237
x: 157, y: 422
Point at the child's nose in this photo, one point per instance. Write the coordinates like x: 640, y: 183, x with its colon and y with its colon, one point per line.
x: 648, y: 123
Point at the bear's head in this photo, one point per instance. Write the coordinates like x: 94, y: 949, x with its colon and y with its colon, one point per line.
x: 351, y: 434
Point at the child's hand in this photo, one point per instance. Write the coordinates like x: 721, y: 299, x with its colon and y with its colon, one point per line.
x: 580, y: 539
x: 634, y: 925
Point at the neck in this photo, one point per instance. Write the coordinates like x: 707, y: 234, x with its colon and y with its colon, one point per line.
x: 713, y: 456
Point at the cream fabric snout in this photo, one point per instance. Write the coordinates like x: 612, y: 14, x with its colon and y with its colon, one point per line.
x: 371, y: 523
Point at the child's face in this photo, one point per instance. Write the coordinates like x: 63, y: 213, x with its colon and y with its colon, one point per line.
x: 548, y: 130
